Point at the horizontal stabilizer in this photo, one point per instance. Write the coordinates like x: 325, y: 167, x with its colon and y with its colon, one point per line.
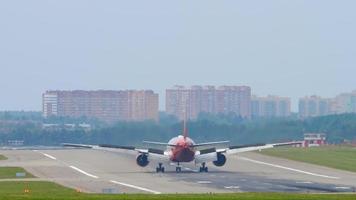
x: 157, y: 143
x: 210, y: 143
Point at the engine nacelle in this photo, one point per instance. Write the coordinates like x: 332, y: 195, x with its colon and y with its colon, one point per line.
x: 221, y: 160
x: 142, y: 160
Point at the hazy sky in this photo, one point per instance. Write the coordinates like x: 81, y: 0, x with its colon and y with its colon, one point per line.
x: 289, y: 48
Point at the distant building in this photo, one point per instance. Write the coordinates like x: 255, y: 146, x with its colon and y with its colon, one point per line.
x: 105, y: 105
x: 270, y: 106
x: 314, y: 139
x: 314, y: 106
x: 344, y: 103
x: 190, y: 102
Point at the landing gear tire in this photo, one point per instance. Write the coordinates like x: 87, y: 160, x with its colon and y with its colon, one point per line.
x: 160, y: 168
x: 178, y: 169
x: 203, y: 168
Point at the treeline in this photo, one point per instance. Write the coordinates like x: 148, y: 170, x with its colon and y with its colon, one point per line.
x: 207, y: 128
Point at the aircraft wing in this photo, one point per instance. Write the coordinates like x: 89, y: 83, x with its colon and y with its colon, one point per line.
x: 157, y: 143
x: 85, y: 146
x: 210, y: 154
x: 109, y: 147
x: 255, y: 147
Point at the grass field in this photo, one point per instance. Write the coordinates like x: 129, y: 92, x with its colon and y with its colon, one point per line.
x: 338, y: 157
x: 49, y: 190
x: 10, y: 172
x: 2, y: 157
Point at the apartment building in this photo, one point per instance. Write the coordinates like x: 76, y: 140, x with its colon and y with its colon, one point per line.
x: 105, y: 105
x: 189, y: 102
x: 270, y: 106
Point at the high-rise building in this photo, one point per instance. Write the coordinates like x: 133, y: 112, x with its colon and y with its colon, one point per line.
x: 190, y: 102
x: 314, y: 106
x: 105, y: 105
x: 270, y: 106
x: 344, y: 103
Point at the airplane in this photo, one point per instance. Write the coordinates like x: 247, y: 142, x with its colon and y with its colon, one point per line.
x: 182, y: 149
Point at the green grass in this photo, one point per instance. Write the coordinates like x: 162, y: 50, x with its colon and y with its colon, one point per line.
x: 48, y: 190
x: 2, y: 157
x: 10, y: 172
x: 338, y: 157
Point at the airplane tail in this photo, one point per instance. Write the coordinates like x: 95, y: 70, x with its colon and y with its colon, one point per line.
x: 185, y: 131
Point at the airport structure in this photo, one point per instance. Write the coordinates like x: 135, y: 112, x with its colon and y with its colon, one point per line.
x: 270, y: 106
x: 314, y: 139
x: 190, y: 102
x: 106, y: 105
x: 314, y: 106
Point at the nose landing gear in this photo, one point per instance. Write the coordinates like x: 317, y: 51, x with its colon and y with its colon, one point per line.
x: 203, y: 168
x: 178, y: 169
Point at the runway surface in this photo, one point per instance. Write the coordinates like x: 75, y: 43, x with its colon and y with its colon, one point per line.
x: 116, y: 172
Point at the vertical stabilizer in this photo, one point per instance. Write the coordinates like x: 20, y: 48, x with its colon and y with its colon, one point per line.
x: 185, y: 132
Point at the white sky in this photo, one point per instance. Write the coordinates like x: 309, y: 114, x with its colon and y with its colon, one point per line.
x: 290, y: 48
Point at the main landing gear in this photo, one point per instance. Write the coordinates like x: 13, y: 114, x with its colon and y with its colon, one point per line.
x: 178, y: 169
x: 160, y: 168
x: 203, y: 168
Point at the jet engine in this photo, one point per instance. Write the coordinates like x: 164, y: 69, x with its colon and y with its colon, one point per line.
x: 142, y: 160
x: 221, y: 160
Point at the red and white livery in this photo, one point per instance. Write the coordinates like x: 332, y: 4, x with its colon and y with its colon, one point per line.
x: 182, y: 149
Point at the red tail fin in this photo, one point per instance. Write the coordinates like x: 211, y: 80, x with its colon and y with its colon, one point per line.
x: 185, y: 131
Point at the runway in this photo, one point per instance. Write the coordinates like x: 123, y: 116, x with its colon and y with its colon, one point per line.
x: 96, y: 171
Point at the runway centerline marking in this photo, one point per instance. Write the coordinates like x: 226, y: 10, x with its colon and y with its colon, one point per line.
x: 83, y: 172
x: 288, y: 168
x: 135, y: 187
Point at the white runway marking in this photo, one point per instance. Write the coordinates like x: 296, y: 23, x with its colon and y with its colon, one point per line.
x: 288, y: 168
x: 47, y: 155
x: 343, y: 188
x: 204, y: 182
x: 304, y: 182
x: 232, y: 187
x: 135, y: 187
x: 83, y: 172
